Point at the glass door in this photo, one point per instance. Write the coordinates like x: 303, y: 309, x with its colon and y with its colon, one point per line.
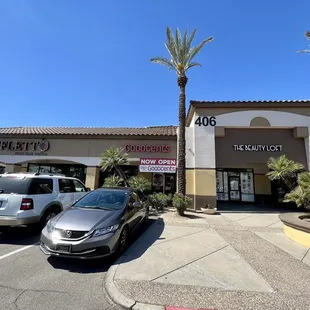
x: 234, y: 187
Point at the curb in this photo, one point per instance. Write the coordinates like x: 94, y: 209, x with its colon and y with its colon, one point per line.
x: 120, y: 300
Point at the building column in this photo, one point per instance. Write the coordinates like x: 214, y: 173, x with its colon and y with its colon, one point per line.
x: 200, y: 165
x: 92, y: 177
x: 12, y: 168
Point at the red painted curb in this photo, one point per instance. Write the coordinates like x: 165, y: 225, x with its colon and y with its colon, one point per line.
x: 180, y: 308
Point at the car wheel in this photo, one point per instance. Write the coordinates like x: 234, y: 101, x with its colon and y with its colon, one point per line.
x: 123, y: 241
x: 146, y: 217
x: 49, y: 214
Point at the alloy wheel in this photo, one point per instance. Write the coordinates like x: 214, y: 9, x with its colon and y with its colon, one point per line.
x: 123, y: 241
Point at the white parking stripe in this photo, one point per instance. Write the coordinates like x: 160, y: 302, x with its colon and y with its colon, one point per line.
x: 19, y: 250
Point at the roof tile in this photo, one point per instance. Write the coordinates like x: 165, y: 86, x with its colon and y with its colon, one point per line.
x: 91, y: 131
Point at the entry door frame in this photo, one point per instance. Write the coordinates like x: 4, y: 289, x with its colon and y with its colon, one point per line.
x: 239, y: 187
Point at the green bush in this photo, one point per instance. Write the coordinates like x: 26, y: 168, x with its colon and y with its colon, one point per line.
x: 181, y: 202
x: 139, y: 183
x: 159, y: 200
x: 112, y: 181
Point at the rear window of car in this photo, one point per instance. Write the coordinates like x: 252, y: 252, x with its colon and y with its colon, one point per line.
x: 40, y: 186
x: 14, y: 185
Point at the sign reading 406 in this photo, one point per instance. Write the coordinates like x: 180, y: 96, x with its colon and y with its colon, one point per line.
x: 206, y: 121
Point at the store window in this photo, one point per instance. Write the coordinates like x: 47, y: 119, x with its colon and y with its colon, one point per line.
x: 235, y: 185
x: 69, y: 170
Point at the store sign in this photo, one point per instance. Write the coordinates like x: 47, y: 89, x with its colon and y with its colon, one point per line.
x: 147, y: 148
x: 258, y: 147
x: 24, y: 147
x: 163, y: 165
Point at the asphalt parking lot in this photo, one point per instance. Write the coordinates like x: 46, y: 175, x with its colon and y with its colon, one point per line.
x: 31, y: 280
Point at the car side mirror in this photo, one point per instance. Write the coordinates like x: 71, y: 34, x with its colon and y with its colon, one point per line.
x: 136, y: 204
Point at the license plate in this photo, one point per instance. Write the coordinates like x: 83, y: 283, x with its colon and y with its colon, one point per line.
x: 63, y: 248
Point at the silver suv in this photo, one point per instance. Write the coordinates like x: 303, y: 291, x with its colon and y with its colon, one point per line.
x: 29, y: 198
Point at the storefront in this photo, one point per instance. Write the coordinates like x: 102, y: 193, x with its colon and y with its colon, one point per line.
x: 76, y: 152
x: 229, y: 144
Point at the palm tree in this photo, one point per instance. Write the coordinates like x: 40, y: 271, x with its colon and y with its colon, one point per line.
x: 301, y: 194
x: 112, y: 181
x: 114, y: 158
x: 284, y: 170
x: 307, y: 35
x: 139, y: 183
x: 182, y: 55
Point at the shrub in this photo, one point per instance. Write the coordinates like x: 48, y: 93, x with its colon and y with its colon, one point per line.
x: 159, y: 200
x: 139, y: 183
x: 181, y: 202
x: 112, y: 181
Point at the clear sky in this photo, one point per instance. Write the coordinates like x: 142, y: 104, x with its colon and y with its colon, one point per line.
x: 86, y: 63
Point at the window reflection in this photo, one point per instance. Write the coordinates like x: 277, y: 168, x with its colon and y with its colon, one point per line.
x: 75, y: 171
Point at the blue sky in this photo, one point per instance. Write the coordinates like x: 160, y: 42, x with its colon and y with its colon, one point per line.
x: 86, y: 63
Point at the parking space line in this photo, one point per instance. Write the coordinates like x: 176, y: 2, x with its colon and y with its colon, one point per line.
x: 19, y: 250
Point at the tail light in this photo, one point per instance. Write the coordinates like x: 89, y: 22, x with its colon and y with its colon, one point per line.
x: 27, y: 204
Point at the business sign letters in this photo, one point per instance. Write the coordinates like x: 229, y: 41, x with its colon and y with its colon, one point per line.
x: 163, y: 165
x: 258, y: 147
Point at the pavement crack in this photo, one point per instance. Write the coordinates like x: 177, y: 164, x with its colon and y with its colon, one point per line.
x: 187, y: 264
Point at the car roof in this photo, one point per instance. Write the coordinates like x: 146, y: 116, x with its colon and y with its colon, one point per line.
x: 36, y: 175
x: 127, y: 189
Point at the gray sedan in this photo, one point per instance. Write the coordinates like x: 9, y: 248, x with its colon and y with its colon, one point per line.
x: 97, y: 225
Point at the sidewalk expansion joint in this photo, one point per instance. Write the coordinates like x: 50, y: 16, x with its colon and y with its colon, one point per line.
x: 187, y: 264
x: 305, y: 255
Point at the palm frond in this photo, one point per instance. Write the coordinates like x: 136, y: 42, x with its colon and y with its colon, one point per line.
x: 171, y: 46
x: 163, y: 61
x: 196, y: 49
x: 113, y: 157
x: 112, y: 181
x: 193, y: 64
x: 303, y: 51
x: 180, y: 51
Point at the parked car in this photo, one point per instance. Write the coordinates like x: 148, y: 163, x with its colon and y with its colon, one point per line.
x: 97, y: 225
x: 30, y: 198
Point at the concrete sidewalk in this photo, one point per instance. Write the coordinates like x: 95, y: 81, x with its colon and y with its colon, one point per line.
x: 224, y: 262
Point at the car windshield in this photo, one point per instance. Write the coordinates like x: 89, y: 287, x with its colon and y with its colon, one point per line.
x: 104, y: 199
x: 13, y: 185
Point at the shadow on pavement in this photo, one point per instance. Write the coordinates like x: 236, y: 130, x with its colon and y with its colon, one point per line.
x: 80, y: 266
x: 93, y: 265
x: 145, y: 241
x: 255, y: 208
x: 19, y: 236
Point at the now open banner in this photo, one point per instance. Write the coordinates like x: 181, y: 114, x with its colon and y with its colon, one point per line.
x: 162, y: 165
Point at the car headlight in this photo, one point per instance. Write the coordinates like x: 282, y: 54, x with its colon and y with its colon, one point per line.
x: 50, y: 226
x: 106, y: 230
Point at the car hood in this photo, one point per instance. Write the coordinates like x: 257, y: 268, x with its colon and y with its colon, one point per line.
x: 86, y: 219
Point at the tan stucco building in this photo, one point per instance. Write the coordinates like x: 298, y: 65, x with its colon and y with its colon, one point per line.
x: 228, y: 145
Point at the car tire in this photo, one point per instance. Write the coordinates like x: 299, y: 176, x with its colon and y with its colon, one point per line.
x: 49, y: 214
x: 123, y: 240
x: 146, y: 217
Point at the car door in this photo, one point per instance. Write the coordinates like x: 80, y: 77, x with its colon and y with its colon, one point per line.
x: 141, y: 210
x: 80, y: 190
x: 66, y: 192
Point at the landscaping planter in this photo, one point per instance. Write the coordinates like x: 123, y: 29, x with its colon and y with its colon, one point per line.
x: 209, y: 211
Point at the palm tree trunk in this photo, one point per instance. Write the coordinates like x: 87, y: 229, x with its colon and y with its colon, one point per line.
x: 121, y: 173
x: 182, y: 81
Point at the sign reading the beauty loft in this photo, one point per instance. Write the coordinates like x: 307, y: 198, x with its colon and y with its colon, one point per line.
x: 24, y: 147
x: 147, y: 148
x: 205, y: 121
x: 164, y: 165
x: 258, y: 147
